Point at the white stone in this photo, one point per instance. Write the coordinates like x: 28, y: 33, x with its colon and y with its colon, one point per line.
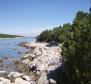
x: 21, y: 81
x: 52, y: 81
x: 33, y: 82
x: 27, y: 78
x: 4, y: 81
x: 44, y: 59
x: 43, y: 78
x: 26, y: 61
x: 13, y: 75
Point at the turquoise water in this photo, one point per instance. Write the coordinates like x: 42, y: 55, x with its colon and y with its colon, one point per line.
x: 10, y: 48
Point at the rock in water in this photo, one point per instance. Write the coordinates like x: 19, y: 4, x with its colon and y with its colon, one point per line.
x: 1, y: 60
x: 3, y: 74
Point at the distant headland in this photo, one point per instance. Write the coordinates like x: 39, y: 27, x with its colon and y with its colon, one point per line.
x: 9, y: 36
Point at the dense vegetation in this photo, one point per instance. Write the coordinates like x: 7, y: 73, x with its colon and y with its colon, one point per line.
x: 58, y: 34
x: 8, y: 36
x: 76, y: 49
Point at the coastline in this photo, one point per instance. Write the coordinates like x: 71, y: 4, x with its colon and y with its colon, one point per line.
x: 18, y: 37
x: 12, y: 38
x: 36, y: 64
x: 42, y: 53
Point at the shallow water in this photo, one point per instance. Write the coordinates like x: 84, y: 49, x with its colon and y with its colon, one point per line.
x: 10, y: 51
x: 10, y: 48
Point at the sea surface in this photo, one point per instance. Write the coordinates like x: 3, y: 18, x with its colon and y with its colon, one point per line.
x: 10, y: 52
x: 9, y: 47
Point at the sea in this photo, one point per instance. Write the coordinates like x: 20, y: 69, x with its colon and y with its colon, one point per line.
x: 9, y: 47
x: 10, y: 51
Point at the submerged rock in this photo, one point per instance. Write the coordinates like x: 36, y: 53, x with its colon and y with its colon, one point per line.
x: 6, y: 57
x: 1, y: 60
x: 24, y: 44
x: 3, y: 74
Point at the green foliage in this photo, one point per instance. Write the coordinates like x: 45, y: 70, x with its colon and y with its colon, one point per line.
x: 44, y: 36
x: 76, y: 49
x: 76, y: 52
x: 8, y: 36
x: 58, y: 34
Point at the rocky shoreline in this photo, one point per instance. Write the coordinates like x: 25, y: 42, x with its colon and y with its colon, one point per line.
x: 35, y: 66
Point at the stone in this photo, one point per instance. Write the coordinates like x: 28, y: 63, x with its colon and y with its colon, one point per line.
x: 27, y: 78
x: 52, y: 81
x: 4, y: 81
x: 40, y: 61
x: 13, y: 75
x: 43, y: 78
x: 42, y: 57
x: 21, y: 81
x: 24, y: 44
x: 33, y: 82
x: 1, y: 60
x: 38, y: 73
x: 3, y: 74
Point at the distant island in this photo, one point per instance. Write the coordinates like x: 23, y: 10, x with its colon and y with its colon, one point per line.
x: 9, y: 36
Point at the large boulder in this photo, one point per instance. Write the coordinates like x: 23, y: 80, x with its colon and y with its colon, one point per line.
x: 24, y: 44
x: 4, y: 81
x: 13, y: 75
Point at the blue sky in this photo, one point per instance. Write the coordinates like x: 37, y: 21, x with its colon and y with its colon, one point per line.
x: 30, y: 17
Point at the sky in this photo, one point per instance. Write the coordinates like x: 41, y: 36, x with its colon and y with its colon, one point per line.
x: 30, y: 17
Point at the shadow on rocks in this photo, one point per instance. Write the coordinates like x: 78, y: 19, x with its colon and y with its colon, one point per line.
x: 56, y: 74
x: 51, y: 44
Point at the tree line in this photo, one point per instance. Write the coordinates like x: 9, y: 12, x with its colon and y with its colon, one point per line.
x: 9, y: 36
x: 76, y: 49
